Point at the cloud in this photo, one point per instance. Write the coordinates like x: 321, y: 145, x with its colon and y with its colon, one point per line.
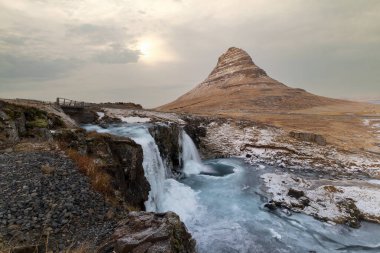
x: 94, y: 34
x: 23, y: 67
x: 116, y: 54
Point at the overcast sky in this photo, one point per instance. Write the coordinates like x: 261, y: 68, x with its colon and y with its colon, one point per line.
x: 152, y: 51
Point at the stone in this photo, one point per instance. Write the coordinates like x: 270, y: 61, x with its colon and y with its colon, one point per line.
x: 304, y: 200
x: 150, y: 232
x: 295, y: 193
x: 27, y: 249
x: 309, y: 137
x: 271, y: 205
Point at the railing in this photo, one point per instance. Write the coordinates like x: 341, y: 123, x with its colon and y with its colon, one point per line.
x: 69, y: 103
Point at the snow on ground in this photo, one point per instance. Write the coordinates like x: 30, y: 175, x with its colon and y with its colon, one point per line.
x: 275, y: 147
x: 232, y: 140
x: 128, y: 114
x: 134, y: 119
x: 325, y: 199
x: 100, y: 114
x: 373, y: 123
x: 374, y: 181
x: 366, y: 122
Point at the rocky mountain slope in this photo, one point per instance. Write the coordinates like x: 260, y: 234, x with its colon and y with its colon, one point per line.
x: 237, y: 83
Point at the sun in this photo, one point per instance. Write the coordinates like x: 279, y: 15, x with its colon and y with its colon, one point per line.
x: 149, y: 49
x: 145, y: 47
x: 154, y: 49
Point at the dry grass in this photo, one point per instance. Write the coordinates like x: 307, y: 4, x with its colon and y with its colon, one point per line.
x: 331, y: 189
x: 84, y: 248
x: 34, y: 146
x: 99, y: 179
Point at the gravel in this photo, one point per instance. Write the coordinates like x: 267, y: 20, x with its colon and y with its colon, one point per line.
x: 43, y: 195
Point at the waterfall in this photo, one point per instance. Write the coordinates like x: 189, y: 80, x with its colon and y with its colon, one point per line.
x: 192, y: 163
x: 166, y: 194
x: 154, y: 170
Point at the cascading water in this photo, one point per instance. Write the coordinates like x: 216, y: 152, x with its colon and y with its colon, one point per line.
x: 192, y: 163
x: 154, y: 169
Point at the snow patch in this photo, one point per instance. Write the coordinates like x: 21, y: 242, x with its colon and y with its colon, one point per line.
x: 134, y: 119
x: 100, y: 114
x: 325, y: 198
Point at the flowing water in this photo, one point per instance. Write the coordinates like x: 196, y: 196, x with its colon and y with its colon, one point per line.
x: 221, y: 203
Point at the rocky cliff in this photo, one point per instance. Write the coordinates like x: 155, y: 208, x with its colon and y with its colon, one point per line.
x: 119, y: 157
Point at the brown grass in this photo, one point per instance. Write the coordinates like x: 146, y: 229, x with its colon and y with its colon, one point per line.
x: 331, y: 189
x: 99, y: 179
x: 84, y: 248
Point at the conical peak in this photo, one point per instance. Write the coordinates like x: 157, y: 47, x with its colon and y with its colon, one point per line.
x: 234, y: 54
x: 234, y: 63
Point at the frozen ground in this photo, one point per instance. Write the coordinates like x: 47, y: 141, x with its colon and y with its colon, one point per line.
x: 326, y: 199
x: 133, y: 115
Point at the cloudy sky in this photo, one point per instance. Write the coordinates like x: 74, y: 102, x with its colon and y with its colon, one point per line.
x: 152, y: 51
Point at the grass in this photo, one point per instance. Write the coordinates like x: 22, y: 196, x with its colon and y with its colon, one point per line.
x: 331, y: 189
x: 99, y: 179
x: 38, y: 123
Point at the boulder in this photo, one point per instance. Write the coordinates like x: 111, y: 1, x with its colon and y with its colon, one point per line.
x: 309, y: 137
x: 150, y: 232
x: 295, y: 193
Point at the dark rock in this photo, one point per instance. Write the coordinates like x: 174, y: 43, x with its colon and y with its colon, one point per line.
x: 295, y: 193
x: 271, y: 205
x: 28, y: 249
x: 121, y: 158
x: 167, y: 140
x: 304, y: 200
x: 150, y: 232
x: 355, y: 216
x: 81, y: 116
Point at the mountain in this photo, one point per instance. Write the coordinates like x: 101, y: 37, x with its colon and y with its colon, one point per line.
x: 237, y: 84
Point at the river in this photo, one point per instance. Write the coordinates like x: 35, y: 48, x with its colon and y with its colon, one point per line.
x: 222, y: 204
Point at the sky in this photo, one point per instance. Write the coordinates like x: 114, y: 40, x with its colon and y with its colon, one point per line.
x: 152, y: 51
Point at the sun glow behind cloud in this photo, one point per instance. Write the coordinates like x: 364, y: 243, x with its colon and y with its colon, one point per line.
x: 154, y: 50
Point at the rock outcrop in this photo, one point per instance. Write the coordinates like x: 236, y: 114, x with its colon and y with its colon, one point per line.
x: 150, y: 232
x: 120, y: 157
x: 309, y: 137
x: 82, y: 116
x: 22, y: 123
x: 167, y: 137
